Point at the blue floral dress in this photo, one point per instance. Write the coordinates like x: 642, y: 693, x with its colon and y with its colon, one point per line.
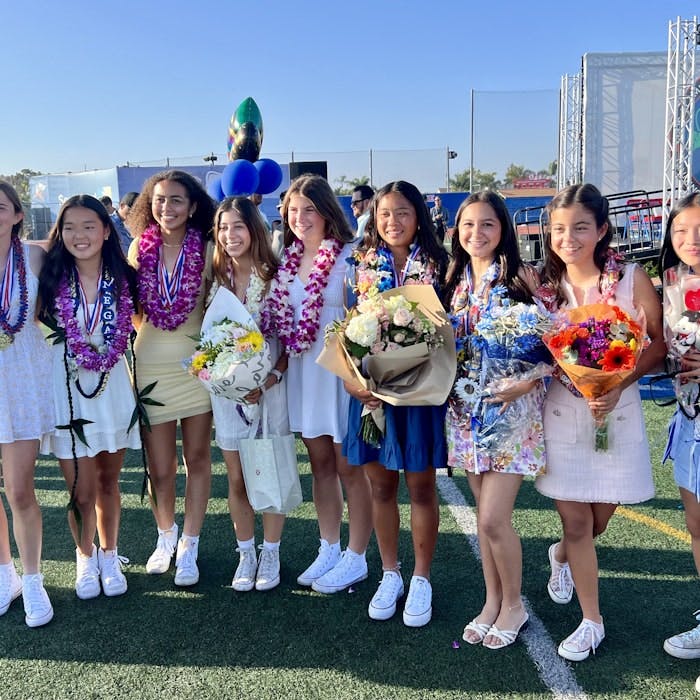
x: 518, y: 451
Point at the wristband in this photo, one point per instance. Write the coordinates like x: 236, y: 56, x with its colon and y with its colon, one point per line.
x: 277, y: 375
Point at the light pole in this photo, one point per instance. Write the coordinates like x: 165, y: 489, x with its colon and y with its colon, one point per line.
x: 451, y: 155
x: 211, y: 158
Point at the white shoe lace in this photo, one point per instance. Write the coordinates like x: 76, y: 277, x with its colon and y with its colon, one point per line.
x: 268, y: 565
x: 6, y: 580
x: 321, y: 562
x: 87, y: 567
x: 187, y: 561
x: 588, y: 635
x: 689, y: 639
x: 246, y: 566
x: 112, y: 566
x: 34, y: 594
x: 419, y: 594
x: 561, y: 581
x: 388, y: 590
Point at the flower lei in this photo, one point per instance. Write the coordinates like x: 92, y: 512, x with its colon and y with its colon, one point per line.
x: 15, y: 258
x: 278, y: 314
x: 254, y: 294
x: 160, y: 313
x: 376, y: 271
x: 115, y: 340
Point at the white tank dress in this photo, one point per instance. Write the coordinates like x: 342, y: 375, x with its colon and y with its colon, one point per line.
x: 110, y: 411
x: 316, y: 399
x: 575, y: 471
x: 26, y: 409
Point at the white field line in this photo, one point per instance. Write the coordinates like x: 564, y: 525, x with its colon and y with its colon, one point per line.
x: 552, y: 669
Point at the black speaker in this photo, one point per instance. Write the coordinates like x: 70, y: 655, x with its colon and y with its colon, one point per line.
x: 308, y: 167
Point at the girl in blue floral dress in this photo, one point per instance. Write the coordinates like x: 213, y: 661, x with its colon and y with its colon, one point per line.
x: 400, y: 248
x: 486, y: 278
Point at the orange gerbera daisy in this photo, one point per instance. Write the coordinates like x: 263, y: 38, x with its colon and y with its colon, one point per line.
x: 617, y: 358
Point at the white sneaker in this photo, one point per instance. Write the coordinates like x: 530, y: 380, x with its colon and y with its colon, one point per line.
x: 268, y: 569
x: 685, y: 645
x: 419, y: 603
x: 586, y: 638
x: 383, y: 603
x: 560, y: 585
x: 350, y: 569
x: 327, y: 558
x: 87, y: 575
x: 37, y: 606
x: 159, y: 561
x: 244, y: 578
x: 111, y: 576
x: 186, y: 571
x: 10, y: 586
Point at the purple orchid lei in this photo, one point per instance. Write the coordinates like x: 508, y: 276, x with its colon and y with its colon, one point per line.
x: 278, y: 313
x: 9, y: 330
x: 79, y: 348
x: 159, y: 313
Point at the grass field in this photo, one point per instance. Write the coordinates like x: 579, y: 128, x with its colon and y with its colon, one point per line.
x: 211, y: 642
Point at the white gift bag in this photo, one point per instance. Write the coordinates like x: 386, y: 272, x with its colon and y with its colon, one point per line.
x: 270, y: 472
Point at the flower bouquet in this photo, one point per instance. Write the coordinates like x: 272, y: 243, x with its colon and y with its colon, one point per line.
x: 509, y: 340
x: 231, y: 357
x: 397, y: 344
x: 682, y: 327
x: 597, y: 346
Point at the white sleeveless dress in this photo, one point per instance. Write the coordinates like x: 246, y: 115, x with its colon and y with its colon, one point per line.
x: 575, y: 471
x: 26, y: 409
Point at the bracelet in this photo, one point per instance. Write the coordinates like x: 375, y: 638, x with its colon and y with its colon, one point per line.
x: 277, y: 375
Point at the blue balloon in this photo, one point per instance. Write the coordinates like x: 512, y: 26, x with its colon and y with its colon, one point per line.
x: 214, y: 189
x: 239, y: 178
x: 270, y: 175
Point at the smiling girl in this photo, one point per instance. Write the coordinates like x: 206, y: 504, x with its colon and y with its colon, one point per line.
x: 86, y: 293
x: 587, y: 485
x: 171, y: 222
x: 244, y: 263
x: 25, y: 417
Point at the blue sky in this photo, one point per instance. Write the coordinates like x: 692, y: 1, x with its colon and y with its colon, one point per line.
x: 97, y: 84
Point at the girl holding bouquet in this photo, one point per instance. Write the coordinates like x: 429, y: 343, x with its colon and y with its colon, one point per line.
x: 86, y: 291
x: 245, y: 264
x: 681, y: 249
x: 400, y: 248
x: 487, y: 275
x: 171, y: 223
x: 587, y: 485
x: 25, y: 374
x: 305, y: 296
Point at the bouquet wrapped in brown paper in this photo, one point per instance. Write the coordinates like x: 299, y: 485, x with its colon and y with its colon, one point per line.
x: 597, y: 346
x: 397, y: 344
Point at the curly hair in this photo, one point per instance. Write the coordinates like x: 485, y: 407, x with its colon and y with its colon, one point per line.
x: 260, y: 249
x: 141, y: 216
x: 58, y: 260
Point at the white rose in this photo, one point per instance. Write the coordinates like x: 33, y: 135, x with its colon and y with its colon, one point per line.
x: 362, y: 329
x: 402, y: 317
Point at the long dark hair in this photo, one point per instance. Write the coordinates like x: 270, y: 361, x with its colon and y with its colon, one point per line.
x: 261, y: 253
x: 317, y: 190
x: 590, y: 198
x: 507, y: 253
x: 426, y: 236
x: 58, y: 260
x: 141, y: 217
x: 11, y: 194
x: 668, y: 256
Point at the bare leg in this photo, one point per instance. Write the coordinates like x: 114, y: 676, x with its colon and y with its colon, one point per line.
x: 196, y: 448
x: 18, y: 463
x: 162, y: 464
x: 108, y: 504
x: 692, y: 521
x: 385, y: 511
x: 359, y: 497
x: 425, y: 518
x: 5, y: 551
x: 327, y: 492
x: 85, y: 497
x: 242, y: 515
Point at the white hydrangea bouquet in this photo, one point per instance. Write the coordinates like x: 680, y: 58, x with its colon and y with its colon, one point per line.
x: 384, y: 344
x: 232, y: 357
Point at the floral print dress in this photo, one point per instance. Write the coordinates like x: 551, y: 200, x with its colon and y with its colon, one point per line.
x: 523, y: 452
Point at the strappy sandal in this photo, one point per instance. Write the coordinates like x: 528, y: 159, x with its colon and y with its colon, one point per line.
x: 479, y: 629
x: 506, y: 637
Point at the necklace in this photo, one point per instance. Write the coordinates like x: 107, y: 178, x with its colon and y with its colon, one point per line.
x: 15, y: 261
x: 168, y: 299
x: 172, y: 245
x: 278, y: 314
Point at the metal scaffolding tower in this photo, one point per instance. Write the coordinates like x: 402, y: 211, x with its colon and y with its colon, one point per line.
x: 569, y: 169
x: 681, y: 94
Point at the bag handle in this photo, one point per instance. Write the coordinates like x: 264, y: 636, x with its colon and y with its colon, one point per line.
x: 262, y: 416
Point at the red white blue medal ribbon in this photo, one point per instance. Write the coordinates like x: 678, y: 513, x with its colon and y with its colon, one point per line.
x: 399, y: 280
x: 169, y: 285
x: 8, y: 282
x: 91, y: 318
